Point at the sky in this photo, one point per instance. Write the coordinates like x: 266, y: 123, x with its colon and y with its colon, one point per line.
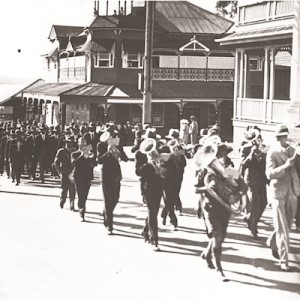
x: 26, y: 24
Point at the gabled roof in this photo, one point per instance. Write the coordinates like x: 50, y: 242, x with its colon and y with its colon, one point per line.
x: 59, y: 31
x: 185, y: 17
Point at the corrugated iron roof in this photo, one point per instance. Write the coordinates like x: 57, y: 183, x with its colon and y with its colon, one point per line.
x: 170, y: 16
x: 180, y: 90
x: 89, y: 89
x: 185, y: 17
x: 258, y: 35
x: 51, y: 89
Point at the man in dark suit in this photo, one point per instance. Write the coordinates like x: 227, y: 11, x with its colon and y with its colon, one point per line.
x: 109, y: 154
x: 2, y: 150
x: 17, y: 156
x: 41, y: 151
x: 6, y: 154
x: 63, y: 165
x: 29, y: 144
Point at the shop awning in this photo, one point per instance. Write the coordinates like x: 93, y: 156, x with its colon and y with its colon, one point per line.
x: 257, y: 35
x: 89, y: 89
x: 175, y: 91
x: 50, y: 89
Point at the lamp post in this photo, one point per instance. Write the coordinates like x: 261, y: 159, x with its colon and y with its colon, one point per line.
x: 147, y: 94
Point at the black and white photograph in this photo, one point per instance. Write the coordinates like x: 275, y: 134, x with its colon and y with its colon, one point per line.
x: 149, y: 150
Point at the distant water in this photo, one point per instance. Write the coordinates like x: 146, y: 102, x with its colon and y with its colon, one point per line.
x: 7, y: 90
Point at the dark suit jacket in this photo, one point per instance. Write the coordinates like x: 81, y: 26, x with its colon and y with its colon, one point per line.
x: 42, y: 147
x: 111, y: 170
x: 29, y: 144
x: 17, y: 157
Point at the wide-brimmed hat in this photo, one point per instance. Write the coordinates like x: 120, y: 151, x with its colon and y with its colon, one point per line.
x: 148, y: 145
x: 105, y: 136
x: 151, y: 133
x: 251, y: 135
x: 224, y: 148
x: 281, y: 130
x: 205, y: 155
x: 173, y: 134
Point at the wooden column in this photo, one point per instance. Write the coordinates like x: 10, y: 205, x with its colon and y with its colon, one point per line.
x: 267, y: 105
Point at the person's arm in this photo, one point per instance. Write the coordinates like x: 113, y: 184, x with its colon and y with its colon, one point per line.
x: 272, y: 170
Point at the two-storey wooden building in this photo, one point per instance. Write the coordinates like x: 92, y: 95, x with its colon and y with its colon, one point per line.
x: 266, y: 39
x: 93, y: 71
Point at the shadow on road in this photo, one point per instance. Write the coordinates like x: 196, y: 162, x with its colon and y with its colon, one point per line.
x: 269, y: 283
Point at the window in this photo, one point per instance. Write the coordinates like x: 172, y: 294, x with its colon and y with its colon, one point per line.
x: 255, y: 63
x: 157, y: 115
x: 104, y: 60
x: 133, y: 60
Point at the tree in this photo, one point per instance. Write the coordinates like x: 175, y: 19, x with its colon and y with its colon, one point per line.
x: 227, y: 8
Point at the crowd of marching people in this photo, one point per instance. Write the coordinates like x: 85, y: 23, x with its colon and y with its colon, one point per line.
x: 267, y: 174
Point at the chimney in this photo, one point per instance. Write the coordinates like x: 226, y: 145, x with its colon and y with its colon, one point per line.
x: 119, y: 6
x: 95, y: 8
x: 98, y: 7
x: 125, y: 7
x: 107, y: 7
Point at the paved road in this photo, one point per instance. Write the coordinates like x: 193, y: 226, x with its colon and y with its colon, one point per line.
x: 47, y: 253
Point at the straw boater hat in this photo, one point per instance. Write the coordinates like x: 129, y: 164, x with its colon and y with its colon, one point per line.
x: 184, y: 121
x: 173, y: 134
x: 151, y: 133
x: 281, y: 130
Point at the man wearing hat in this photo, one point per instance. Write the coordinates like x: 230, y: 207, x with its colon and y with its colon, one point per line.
x: 283, y: 192
x: 41, y: 151
x: 109, y: 153
x: 64, y: 167
x: 16, y: 156
x: 216, y: 193
x: 253, y: 168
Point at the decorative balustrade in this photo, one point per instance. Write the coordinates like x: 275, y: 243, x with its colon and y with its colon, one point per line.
x: 251, y: 109
x: 268, y: 111
x: 193, y: 74
x: 278, y: 109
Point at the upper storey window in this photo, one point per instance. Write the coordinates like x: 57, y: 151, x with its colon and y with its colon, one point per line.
x: 104, y: 60
x: 103, y: 53
x: 132, y: 54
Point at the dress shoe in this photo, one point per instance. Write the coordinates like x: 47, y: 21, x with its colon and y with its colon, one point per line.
x: 255, y: 237
x: 61, y: 204
x: 284, y: 267
x: 221, y: 276
x: 208, y: 260
x: 109, y: 232
x: 156, y: 248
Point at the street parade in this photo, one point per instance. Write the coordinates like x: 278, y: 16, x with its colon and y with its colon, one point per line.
x: 223, y: 188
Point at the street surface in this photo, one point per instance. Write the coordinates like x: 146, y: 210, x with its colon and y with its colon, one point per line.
x: 48, y: 253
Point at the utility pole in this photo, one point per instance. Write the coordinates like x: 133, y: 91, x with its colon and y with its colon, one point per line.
x: 147, y: 94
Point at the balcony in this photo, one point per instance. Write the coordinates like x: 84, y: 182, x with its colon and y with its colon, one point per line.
x: 266, y: 111
x: 192, y: 74
x: 264, y: 11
